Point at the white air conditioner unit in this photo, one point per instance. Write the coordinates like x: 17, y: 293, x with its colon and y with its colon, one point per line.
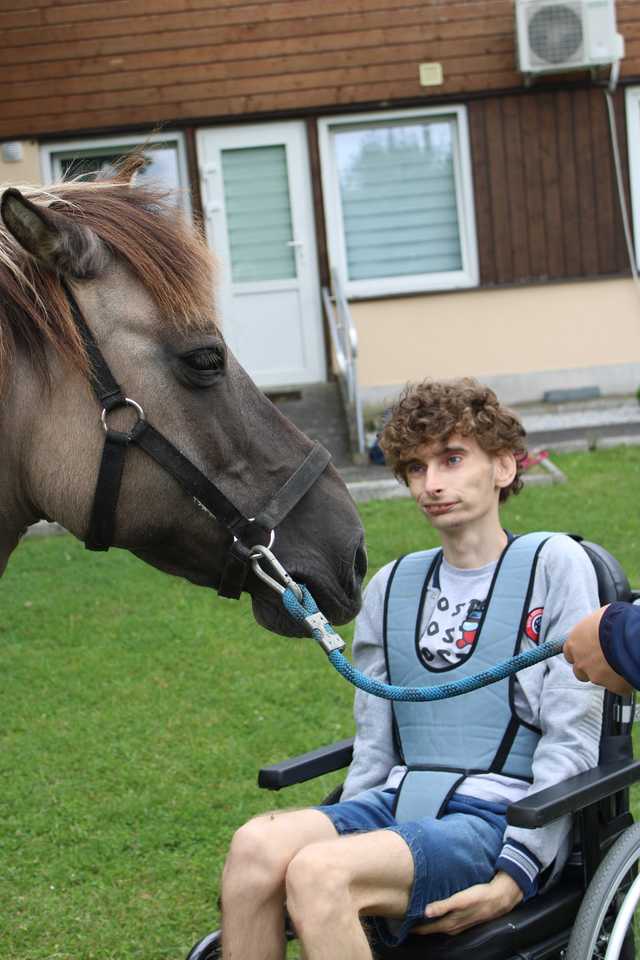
x: 554, y: 36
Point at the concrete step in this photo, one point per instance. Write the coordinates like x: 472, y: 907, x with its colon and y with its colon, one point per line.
x: 582, y: 425
x: 588, y: 437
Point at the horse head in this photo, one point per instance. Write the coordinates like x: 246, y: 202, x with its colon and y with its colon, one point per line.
x: 142, y: 279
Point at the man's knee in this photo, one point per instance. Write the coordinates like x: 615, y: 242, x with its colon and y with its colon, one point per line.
x: 255, y: 859
x: 317, y: 885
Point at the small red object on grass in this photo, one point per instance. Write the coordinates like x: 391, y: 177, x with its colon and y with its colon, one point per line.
x: 533, y: 459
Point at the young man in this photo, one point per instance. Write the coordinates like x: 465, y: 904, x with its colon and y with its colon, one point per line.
x: 419, y: 840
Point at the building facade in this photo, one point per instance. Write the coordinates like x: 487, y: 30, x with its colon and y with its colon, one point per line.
x: 471, y: 214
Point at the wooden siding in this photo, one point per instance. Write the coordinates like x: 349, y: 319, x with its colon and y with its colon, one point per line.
x: 546, y: 199
x: 72, y: 67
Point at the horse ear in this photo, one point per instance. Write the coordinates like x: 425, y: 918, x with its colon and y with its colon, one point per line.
x: 128, y: 167
x: 52, y: 238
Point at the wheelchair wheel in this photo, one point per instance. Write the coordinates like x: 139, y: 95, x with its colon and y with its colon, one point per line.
x: 209, y: 948
x: 604, y: 925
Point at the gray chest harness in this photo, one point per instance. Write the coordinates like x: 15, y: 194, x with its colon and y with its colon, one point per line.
x: 481, y: 733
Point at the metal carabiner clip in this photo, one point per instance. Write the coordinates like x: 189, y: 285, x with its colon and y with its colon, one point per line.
x: 259, y: 553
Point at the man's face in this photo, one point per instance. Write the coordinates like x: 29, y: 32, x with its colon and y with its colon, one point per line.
x: 456, y: 482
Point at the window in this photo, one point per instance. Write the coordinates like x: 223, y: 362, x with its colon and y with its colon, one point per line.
x: 632, y: 106
x: 166, y: 160
x: 399, y: 201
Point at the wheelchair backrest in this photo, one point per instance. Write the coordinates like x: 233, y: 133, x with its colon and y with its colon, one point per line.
x: 613, y: 583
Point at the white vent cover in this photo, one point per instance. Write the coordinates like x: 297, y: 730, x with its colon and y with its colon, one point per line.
x: 555, y: 36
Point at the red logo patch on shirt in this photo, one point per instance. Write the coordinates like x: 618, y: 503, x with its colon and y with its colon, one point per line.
x: 534, y: 620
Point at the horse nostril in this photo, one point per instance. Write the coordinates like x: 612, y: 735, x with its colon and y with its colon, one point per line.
x: 360, y: 561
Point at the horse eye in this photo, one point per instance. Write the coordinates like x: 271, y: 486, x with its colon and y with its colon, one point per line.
x: 205, y: 360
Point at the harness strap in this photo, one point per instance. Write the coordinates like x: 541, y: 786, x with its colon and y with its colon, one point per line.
x: 235, y: 570
x: 105, y: 500
x: 190, y: 478
x: 103, y: 383
x: 295, y: 488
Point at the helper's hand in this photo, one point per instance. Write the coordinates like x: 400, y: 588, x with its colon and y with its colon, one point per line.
x: 584, y: 652
x: 484, y: 901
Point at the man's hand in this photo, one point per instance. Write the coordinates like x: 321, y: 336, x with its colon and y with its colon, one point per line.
x: 583, y: 650
x: 484, y: 901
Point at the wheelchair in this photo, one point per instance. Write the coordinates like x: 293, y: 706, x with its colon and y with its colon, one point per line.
x: 588, y: 913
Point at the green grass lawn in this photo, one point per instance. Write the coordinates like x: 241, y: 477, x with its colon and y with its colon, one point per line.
x: 137, y: 709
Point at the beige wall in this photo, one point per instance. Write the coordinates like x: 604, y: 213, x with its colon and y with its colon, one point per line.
x: 24, y: 171
x: 526, y: 339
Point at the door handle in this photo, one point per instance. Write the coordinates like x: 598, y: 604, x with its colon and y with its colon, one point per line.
x: 210, y: 201
x: 298, y: 247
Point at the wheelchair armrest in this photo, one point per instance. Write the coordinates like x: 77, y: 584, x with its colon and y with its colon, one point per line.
x: 574, y: 794
x: 307, y: 766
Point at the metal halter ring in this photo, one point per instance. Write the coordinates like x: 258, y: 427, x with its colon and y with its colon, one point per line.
x: 125, y: 403
x: 272, y: 536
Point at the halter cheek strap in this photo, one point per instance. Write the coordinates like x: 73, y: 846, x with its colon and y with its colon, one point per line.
x: 100, y: 534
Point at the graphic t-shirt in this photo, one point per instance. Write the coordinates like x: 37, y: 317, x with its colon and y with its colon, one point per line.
x: 448, y: 638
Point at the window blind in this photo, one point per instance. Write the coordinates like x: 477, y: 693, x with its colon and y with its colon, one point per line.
x: 398, y: 196
x: 259, y: 226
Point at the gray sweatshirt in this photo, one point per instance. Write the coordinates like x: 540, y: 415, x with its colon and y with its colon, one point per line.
x: 568, y: 713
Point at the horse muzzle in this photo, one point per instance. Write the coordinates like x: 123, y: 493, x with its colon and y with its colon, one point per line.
x: 339, y: 599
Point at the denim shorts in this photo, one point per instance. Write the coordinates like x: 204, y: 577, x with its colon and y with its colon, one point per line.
x: 449, y: 854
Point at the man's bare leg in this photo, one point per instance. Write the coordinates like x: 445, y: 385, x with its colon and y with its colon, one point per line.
x: 253, y: 880
x: 330, y: 884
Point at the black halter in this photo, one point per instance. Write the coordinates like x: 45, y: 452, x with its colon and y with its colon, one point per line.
x: 102, y: 522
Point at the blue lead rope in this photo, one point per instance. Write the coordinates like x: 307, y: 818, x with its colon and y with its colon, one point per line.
x: 306, y: 611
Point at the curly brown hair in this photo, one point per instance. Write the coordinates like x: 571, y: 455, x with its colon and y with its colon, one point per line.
x: 431, y: 411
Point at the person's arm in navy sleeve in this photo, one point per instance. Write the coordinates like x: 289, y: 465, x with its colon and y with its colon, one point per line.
x: 605, y: 647
x: 619, y: 635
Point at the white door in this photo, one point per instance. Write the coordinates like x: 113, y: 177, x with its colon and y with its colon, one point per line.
x: 256, y: 193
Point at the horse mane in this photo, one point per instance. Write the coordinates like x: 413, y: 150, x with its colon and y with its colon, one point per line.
x: 142, y: 226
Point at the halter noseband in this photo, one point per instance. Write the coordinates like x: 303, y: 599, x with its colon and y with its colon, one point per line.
x: 100, y: 534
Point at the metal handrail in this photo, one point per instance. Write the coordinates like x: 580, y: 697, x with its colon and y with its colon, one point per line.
x: 344, y: 339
